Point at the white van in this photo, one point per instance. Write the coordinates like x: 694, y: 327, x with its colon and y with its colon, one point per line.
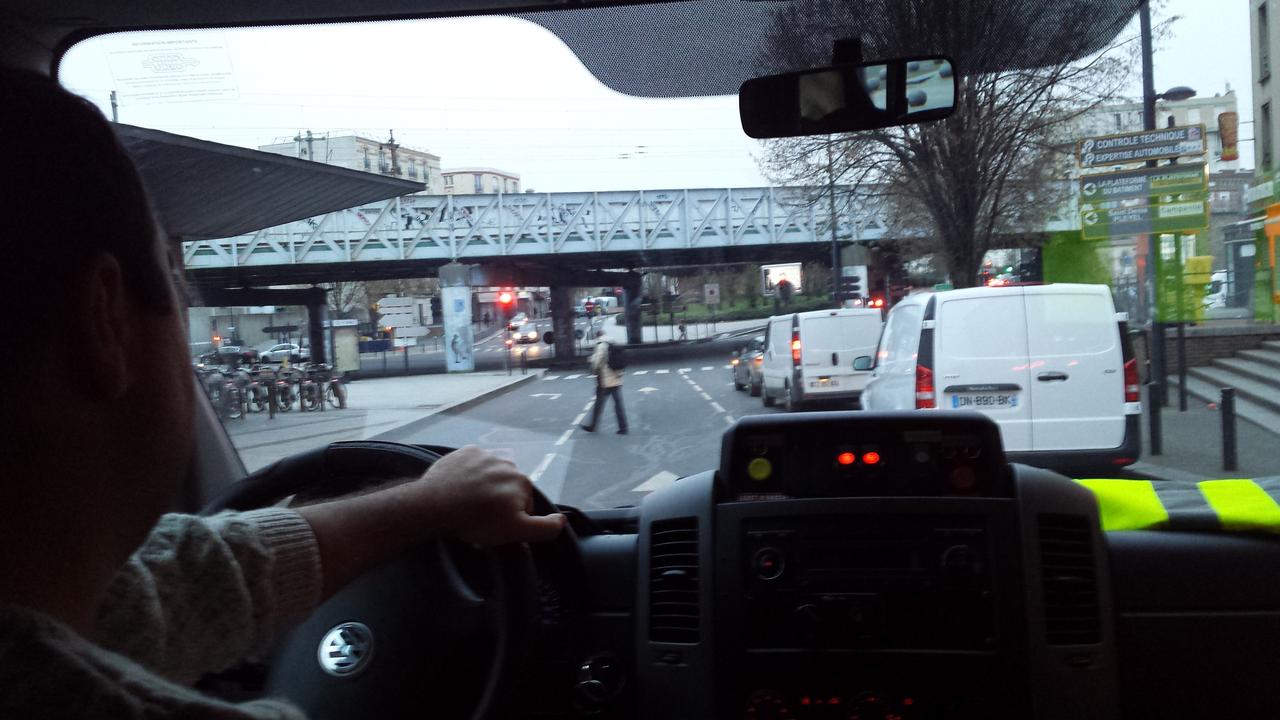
x: 1051, y: 364
x: 809, y: 355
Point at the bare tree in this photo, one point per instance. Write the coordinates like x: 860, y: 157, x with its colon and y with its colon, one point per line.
x: 995, y: 169
x: 344, y: 296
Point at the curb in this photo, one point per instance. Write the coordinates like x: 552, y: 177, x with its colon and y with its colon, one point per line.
x: 488, y: 394
x: 1159, y: 472
x: 413, y: 426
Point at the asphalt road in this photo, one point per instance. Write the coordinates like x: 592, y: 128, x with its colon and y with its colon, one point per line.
x: 679, y: 400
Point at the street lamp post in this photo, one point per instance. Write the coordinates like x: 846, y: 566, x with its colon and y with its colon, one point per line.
x: 1159, y: 364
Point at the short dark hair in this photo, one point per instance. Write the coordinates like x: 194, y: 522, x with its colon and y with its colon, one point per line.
x: 69, y: 191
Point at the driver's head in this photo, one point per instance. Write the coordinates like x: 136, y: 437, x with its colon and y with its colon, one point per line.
x: 93, y: 340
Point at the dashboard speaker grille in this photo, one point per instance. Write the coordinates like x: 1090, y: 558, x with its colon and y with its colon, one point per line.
x: 1071, y: 612
x: 673, y: 581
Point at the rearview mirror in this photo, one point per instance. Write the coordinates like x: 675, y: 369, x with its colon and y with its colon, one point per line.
x: 845, y: 98
x: 863, y: 363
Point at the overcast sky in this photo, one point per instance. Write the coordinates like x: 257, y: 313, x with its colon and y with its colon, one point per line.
x: 505, y: 93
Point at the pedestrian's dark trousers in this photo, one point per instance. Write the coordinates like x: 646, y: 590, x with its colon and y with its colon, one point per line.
x: 602, y: 394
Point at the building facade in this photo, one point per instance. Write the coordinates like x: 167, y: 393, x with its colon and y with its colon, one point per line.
x: 480, y: 181
x: 366, y: 154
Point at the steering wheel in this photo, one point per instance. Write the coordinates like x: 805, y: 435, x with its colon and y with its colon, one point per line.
x: 444, y: 630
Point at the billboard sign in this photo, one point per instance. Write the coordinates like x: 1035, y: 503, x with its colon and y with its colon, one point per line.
x: 1134, y: 147
x: 771, y: 275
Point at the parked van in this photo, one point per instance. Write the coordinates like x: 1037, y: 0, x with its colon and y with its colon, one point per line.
x: 1052, y: 365
x: 809, y: 356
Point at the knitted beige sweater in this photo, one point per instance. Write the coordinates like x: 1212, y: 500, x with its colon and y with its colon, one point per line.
x: 200, y: 595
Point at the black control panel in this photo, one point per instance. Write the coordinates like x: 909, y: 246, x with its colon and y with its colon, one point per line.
x: 862, y: 454
x: 890, y: 582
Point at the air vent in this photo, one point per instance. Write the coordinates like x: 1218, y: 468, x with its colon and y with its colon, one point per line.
x: 1071, y: 613
x: 673, y: 581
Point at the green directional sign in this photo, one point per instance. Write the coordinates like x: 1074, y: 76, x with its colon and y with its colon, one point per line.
x: 1098, y: 224
x: 1096, y: 190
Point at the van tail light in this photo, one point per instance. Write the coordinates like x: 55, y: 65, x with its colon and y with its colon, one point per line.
x: 925, y: 397
x: 1131, y: 387
x: 795, y: 347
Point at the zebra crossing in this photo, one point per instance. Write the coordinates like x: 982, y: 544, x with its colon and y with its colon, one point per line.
x: 637, y: 373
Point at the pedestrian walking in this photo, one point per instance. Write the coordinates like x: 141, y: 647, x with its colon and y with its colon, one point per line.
x: 607, y: 362
x: 684, y: 332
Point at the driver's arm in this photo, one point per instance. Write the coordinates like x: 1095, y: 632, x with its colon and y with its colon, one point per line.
x: 202, y: 594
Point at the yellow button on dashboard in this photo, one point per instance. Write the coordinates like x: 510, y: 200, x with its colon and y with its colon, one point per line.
x: 759, y: 469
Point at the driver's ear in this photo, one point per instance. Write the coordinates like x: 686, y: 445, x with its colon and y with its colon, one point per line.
x: 100, y: 310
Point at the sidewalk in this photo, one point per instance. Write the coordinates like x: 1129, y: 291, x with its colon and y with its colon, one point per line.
x: 1193, y: 445
x: 374, y: 406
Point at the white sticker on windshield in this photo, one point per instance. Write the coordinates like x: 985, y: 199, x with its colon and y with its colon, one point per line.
x: 168, y: 67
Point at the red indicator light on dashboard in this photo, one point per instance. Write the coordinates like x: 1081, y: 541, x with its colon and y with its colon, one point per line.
x: 846, y: 458
x: 871, y: 458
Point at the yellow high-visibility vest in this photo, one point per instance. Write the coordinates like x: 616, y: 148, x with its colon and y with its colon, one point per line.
x: 1234, y: 505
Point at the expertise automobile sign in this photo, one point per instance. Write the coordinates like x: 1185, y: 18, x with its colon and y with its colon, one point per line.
x: 1108, y: 150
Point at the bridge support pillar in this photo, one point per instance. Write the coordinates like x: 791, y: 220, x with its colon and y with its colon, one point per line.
x: 317, y: 333
x: 562, y: 321
x: 631, y: 291
x: 455, y: 306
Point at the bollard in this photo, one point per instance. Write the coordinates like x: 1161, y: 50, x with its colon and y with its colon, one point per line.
x: 271, y: 399
x: 1228, y: 409
x: 1153, y: 408
x: 1182, y: 367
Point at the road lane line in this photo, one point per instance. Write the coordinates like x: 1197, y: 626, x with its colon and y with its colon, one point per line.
x: 707, y: 367
x: 661, y: 372
x: 572, y: 377
x: 696, y: 386
x: 590, y: 402
x: 640, y: 372
x: 542, y: 467
x: 578, y: 419
x: 729, y: 419
x: 727, y: 367
x: 564, y: 437
x: 705, y: 396
x: 685, y: 370
x: 717, y: 406
x: 550, y: 377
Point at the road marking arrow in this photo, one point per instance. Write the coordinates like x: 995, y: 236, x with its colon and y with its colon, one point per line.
x: 657, y: 482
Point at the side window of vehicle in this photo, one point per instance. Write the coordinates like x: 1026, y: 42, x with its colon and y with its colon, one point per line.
x: 900, y: 341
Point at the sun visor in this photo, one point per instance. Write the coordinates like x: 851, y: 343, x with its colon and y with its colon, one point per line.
x: 709, y: 47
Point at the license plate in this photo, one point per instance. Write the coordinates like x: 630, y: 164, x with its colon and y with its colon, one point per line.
x: 984, y: 401
x: 825, y: 382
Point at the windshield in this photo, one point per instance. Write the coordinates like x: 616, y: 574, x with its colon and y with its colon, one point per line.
x: 483, y: 227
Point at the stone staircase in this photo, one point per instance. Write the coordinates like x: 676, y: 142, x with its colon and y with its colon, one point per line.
x: 1255, y: 374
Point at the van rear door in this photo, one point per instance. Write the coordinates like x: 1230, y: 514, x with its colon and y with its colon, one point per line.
x: 830, y: 343
x: 1077, y: 368
x: 980, y: 354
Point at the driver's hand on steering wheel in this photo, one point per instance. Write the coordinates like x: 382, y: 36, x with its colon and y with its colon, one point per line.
x: 469, y: 494
x: 482, y: 499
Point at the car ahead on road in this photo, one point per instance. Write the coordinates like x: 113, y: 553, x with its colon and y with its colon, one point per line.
x: 277, y: 353
x: 526, y: 333
x: 230, y: 355
x: 517, y: 320
x: 1051, y: 364
x: 747, y: 363
x: 809, y: 356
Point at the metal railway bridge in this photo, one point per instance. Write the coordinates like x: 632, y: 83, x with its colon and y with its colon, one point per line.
x: 524, y: 237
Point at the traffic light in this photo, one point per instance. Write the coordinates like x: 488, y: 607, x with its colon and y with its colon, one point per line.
x: 507, y: 303
x: 850, y: 288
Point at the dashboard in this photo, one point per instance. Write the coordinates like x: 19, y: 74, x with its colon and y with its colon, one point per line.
x: 881, y: 566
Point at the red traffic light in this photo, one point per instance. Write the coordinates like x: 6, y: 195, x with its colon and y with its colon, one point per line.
x: 505, y: 298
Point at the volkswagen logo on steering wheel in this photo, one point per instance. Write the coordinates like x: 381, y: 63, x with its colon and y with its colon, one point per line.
x: 346, y: 649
